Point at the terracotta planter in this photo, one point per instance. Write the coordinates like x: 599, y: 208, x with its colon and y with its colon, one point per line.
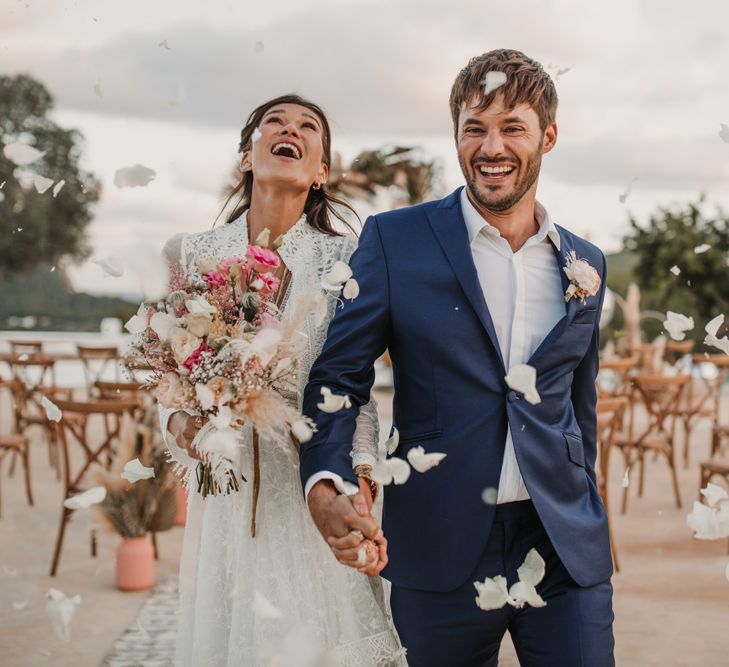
x: 181, y: 517
x: 135, y: 564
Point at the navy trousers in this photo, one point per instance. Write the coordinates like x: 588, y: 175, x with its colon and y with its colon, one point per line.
x: 575, y: 629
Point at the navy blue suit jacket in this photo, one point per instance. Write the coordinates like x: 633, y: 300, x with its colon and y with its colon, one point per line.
x: 420, y: 299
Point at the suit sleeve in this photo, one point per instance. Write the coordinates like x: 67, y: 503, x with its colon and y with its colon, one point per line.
x: 358, y: 335
x: 584, y: 389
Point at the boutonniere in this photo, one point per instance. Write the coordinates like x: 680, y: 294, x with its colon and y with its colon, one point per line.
x: 584, y: 279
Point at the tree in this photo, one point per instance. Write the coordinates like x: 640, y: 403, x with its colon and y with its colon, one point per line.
x: 671, y: 238
x: 36, y: 227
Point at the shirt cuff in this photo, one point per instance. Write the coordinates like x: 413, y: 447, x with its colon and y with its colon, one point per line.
x: 342, y: 485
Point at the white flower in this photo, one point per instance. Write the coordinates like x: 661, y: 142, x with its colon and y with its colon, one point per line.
x: 162, y: 324
x: 111, y: 266
x: 423, y: 462
x: 263, y: 609
x: 61, y: 610
x: 137, y: 323
x: 339, y: 275
x: 223, y: 418
x: 135, y: 176
x: 53, y: 413
x: 21, y: 153
x: 714, y: 494
x: 86, y: 499
x: 264, y: 344
x: 585, y: 276
x: 393, y: 441
x: 709, y: 523
x: 677, y: 325
x: 205, y: 396
x: 351, y: 289
x: 198, y: 325
x: 492, y: 592
x: 391, y: 471
x: 134, y: 471
x: 301, y: 431
x: 183, y: 343
x: 523, y: 378
x: 199, y: 306
x: 492, y: 81
x: 332, y: 402
x: 41, y: 183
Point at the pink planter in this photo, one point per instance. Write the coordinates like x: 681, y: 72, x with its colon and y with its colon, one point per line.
x: 135, y: 564
x: 181, y: 517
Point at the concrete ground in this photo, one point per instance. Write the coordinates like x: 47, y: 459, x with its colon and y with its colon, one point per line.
x: 671, y: 595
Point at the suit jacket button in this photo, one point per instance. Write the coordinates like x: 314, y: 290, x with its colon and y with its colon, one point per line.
x: 513, y: 396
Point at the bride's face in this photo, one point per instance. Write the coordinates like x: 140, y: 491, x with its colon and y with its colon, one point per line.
x: 288, y: 151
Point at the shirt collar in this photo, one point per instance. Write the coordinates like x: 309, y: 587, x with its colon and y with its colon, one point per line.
x: 475, y: 222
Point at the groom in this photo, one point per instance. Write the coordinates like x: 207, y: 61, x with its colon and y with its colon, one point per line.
x: 460, y: 291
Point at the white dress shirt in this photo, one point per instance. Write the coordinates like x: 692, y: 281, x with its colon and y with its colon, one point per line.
x: 523, y: 292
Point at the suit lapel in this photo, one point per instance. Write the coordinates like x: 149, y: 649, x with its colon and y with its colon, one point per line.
x: 449, y: 228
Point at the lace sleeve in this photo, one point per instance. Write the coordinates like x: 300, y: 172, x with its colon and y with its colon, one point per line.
x: 172, y: 250
x: 366, y: 435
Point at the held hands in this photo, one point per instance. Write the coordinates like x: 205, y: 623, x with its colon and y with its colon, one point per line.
x: 184, y: 428
x: 346, y: 524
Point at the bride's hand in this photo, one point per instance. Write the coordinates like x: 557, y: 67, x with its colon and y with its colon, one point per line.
x: 183, y: 429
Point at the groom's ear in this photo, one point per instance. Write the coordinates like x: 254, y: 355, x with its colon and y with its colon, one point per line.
x: 550, y: 138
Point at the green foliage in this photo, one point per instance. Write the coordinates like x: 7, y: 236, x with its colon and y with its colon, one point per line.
x: 669, y: 239
x: 50, y: 228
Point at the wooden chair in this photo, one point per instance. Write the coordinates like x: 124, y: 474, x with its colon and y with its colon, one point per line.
x: 96, y: 360
x: 116, y: 390
x: 610, y: 412
x: 18, y: 446
x: 677, y: 349
x: 74, y: 434
x: 616, y: 375
x: 662, y: 397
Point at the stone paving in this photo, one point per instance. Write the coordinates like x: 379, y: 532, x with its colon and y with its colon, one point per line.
x: 150, y: 640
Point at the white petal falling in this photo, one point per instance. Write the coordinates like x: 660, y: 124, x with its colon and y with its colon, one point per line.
x: 675, y: 271
x: 523, y: 378
x: 134, y: 471
x: 111, y: 266
x: 58, y: 187
x: 20, y: 605
x: 41, y: 183
x: 677, y: 325
x: 332, y: 402
x: 351, y: 289
x: 136, y: 176
x: 492, y: 81
x: 490, y: 495
x: 709, y: 523
x: 86, y: 499
x: 61, y: 609
x: 339, y: 275
x: 561, y: 72
x: 491, y: 593
x: 533, y: 568
x: 257, y: 134
x: 714, y: 494
x: 392, y: 442
x: 423, y: 462
x: 724, y: 133
x: 21, y: 153
x: 10, y: 571
x: 391, y: 471
x: 163, y: 44
x: 137, y: 323
x: 302, y: 431
x: 701, y: 249
x: 53, y: 413
x: 264, y: 609
x: 523, y: 593
x: 712, y: 329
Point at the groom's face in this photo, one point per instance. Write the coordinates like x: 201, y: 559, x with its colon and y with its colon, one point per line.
x: 500, y: 151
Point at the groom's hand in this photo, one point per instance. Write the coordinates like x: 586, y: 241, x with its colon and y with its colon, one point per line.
x: 336, y: 516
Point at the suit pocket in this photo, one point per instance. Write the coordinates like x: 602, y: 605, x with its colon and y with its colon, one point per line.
x: 575, y: 449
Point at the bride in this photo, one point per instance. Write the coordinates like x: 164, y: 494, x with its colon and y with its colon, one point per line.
x: 280, y: 596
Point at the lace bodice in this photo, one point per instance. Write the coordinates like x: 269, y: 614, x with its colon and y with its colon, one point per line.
x: 309, y: 255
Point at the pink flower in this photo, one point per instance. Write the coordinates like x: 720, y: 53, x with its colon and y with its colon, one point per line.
x: 262, y: 259
x: 197, y: 356
x: 270, y: 283
x: 214, y: 280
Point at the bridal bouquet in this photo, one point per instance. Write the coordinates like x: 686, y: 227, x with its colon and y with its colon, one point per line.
x: 220, y: 348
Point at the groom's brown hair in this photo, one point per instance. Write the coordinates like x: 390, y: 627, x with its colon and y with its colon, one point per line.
x: 526, y: 83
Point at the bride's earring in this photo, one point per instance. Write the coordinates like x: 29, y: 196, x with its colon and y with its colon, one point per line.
x: 316, y: 186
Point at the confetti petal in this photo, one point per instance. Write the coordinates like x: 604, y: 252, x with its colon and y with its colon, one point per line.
x: 21, y: 153
x: 393, y: 441
x: 302, y: 431
x: 41, y: 183
x: 61, y: 609
x: 675, y: 271
x: 257, y: 134
x: 391, y: 471
x: 724, y: 133
x: 86, y: 499
x: 135, y: 176
x: 339, y: 275
x: 701, y: 249
x: 523, y: 378
x: 492, y: 593
x: 490, y: 495
x: 714, y: 494
x: 135, y: 471
x: 53, y: 413
x: 532, y: 569
x: 492, y: 81
x: 332, y: 402
x: 58, y: 187
x: 351, y: 289
x: 20, y: 605
x: 677, y: 325
x: 423, y: 462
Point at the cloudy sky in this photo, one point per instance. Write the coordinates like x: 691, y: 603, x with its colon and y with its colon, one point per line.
x: 167, y: 84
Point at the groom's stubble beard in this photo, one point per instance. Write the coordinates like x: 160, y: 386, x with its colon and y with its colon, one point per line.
x: 497, y: 203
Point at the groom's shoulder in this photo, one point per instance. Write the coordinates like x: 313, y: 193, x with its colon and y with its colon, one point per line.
x: 585, y: 249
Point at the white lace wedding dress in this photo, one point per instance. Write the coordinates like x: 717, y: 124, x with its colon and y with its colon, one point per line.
x: 227, y: 577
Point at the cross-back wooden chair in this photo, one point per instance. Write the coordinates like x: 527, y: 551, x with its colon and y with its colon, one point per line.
x: 74, y: 435
x: 17, y: 446
x: 610, y: 414
x: 114, y: 390
x: 661, y: 395
x: 96, y: 361
x: 677, y: 349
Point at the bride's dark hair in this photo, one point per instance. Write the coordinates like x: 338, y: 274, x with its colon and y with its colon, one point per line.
x: 320, y: 204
